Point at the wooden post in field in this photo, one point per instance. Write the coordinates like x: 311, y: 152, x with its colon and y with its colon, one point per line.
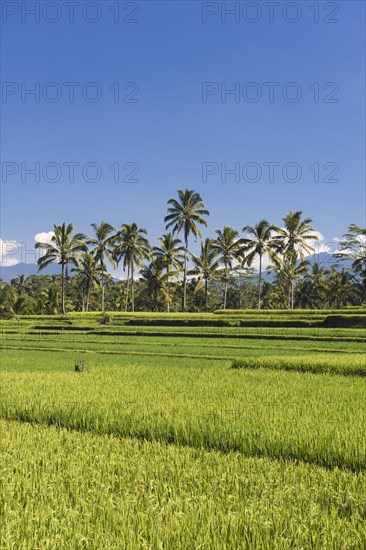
x: 79, y: 366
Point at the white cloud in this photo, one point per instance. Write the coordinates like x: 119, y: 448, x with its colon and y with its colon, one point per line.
x: 330, y: 248
x: 43, y: 237
x: 346, y: 251
x: 319, y: 235
x: 265, y: 262
x: 318, y: 245
x: 13, y: 253
x: 8, y: 252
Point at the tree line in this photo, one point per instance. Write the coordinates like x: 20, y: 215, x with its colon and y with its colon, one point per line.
x: 169, y: 277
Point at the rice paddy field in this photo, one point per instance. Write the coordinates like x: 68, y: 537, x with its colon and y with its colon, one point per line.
x: 228, y: 430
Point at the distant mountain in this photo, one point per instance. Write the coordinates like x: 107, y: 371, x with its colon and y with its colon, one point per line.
x: 324, y: 259
x: 10, y: 272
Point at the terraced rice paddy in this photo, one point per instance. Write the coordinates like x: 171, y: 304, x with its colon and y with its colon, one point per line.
x: 160, y: 443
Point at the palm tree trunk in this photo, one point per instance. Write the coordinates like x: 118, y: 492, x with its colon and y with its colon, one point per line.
x: 63, y: 287
x: 184, y: 303
x: 128, y: 287
x: 206, y: 295
x: 292, y: 294
x: 260, y: 281
x: 87, y: 298
x: 225, y: 286
x: 102, y: 282
x: 168, y: 289
x: 156, y: 299
x: 66, y: 280
x: 132, y: 290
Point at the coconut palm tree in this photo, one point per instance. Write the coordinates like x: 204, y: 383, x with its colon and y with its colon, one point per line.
x: 184, y: 216
x: 172, y: 256
x: 318, y: 281
x: 102, y: 247
x: 89, y: 272
x: 258, y: 242
x: 296, y: 237
x: 342, y: 288
x: 117, y: 296
x: 156, y: 282
x: 288, y: 269
x: 8, y: 297
x: 241, y: 287
x: 305, y: 296
x: 24, y: 305
x: 133, y: 248
x: 19, y: 283
x: 64, y: 248
x: 267, y: 295
x: 228, y: 246
x: 352, y: 246
x: 52, y: 299
x: 206, y: 266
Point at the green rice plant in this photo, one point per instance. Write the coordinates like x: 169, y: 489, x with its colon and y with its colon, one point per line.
x: 218, y: 348
x: 66, y: 490
x: 356, y: 310
x: 265, y: 413
x: 159, y: 444
x: 318, y: 364
x: 238, y: 332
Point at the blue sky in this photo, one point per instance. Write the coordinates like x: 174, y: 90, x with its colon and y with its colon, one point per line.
x: 169, y: 132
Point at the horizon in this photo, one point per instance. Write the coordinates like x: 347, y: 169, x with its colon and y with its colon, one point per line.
x: 13, y: 253
x: 255, y: 126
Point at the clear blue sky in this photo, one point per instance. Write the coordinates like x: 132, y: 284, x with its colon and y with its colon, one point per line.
x: 170, y: 131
